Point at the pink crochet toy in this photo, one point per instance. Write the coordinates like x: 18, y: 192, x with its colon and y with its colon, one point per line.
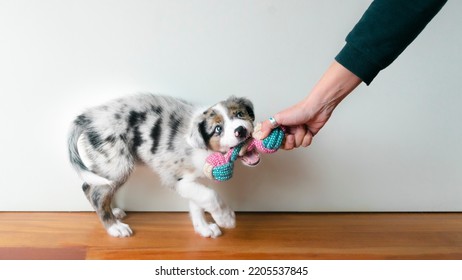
x: 220, y: 166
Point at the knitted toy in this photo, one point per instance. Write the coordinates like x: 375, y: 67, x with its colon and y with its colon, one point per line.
x: 220, y: 166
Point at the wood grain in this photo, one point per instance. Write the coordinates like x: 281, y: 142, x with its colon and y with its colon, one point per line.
x: 257, y: 236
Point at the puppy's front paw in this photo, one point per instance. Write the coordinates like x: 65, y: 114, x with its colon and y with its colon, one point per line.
x: 225, y: 218
x: 119, y: 230
x: 210, y: 230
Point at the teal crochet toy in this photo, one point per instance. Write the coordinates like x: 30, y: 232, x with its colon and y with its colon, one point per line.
x: 220, y: 166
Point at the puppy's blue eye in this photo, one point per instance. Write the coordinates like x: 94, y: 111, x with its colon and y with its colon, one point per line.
x: 240, y: 114
x: 218, y: 129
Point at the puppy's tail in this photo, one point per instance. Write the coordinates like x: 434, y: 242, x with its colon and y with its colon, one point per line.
x: 86, y: 174
x: 74, y: 156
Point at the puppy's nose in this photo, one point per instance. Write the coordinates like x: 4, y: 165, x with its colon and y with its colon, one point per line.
x: 240, y: 132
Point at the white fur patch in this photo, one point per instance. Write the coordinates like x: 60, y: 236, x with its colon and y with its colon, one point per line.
x: 119, y: 229
x: 93, y: 179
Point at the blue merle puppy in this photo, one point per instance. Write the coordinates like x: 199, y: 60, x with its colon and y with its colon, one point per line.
x: 172, y: 137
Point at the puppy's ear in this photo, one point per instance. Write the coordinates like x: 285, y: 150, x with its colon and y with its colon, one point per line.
x: 246, y: 103
x: 198, y: 136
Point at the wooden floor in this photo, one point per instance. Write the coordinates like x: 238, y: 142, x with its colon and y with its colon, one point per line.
x: 257, y: 236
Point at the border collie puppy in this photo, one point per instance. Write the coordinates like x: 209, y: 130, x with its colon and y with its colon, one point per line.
x: 172, y: 137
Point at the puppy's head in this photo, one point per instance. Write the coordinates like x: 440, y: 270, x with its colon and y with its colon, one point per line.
x: 223, y: 125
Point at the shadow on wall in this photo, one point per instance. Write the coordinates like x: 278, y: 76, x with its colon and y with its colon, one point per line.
x: 248, y: 190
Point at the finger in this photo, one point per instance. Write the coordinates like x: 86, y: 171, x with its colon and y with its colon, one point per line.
x: 265, y: 130
x: 299, y: 135
x: 307, y: 139
x: 289, y: 142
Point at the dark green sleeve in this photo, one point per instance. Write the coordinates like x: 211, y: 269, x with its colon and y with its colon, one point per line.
x: 383, y: 33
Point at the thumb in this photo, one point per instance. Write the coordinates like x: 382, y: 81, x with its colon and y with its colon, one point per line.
x: 265, y: 129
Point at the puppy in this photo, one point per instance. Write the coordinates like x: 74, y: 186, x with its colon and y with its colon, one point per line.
x: 172, y: 137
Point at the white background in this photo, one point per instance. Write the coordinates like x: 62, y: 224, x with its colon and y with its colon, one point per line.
x: 392, y: 146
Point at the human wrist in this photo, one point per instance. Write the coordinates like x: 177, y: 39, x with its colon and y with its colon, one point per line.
x: 336, y: 83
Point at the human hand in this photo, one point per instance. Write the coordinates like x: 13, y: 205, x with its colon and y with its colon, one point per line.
x: 302, y: 122
x: 304, y: 119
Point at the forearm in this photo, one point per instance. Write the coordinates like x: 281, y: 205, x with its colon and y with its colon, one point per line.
x: 336, y: 83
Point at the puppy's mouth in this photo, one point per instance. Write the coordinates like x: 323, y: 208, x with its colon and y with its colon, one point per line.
x: 251, y: 158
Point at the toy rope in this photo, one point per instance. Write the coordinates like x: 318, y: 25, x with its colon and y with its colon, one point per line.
x: 220, y: 166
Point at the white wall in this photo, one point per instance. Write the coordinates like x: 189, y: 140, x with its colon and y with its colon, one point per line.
x: 395, y: 145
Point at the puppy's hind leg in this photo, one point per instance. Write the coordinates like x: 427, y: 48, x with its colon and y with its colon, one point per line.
x: 100, y: 198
